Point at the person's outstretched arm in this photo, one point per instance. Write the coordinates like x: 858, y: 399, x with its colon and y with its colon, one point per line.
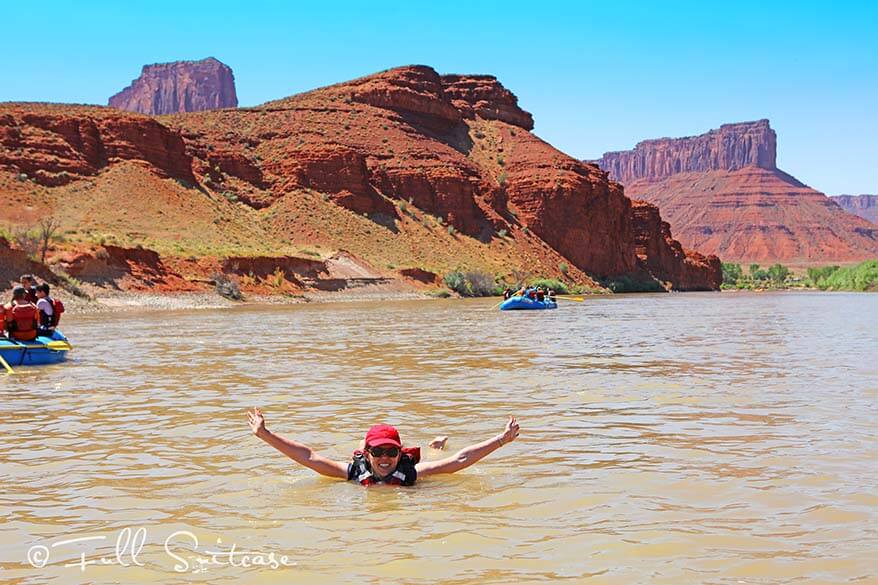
x: 469, y: 455
x: 302, y: 454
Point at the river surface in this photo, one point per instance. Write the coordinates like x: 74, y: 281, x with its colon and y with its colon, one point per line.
x: 683, y: 438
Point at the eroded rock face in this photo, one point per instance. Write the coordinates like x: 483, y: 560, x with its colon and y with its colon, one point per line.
x: 181, y: 86
x: 456, y: 148
x: 731, y: 147
x: 865, y: 206
x: 724, y: 195
x: 665, y: 258
x: 126, y: 268
x: 484, y: 96
x: 54, y: 145
x: 14, y: 263
x: 416, y: 89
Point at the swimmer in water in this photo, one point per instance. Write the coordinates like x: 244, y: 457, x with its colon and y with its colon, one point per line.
x: 381, y: 458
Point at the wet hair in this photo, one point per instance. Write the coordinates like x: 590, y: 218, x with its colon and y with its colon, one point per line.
x: 18, y: 293
x: 43, y: 287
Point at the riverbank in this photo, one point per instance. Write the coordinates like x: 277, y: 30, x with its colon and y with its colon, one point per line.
x: 118, y: 301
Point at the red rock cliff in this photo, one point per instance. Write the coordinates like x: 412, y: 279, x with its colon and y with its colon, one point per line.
x: 724, y: 195
x: 484, y: 96
x: 181, y: 86
x: 731, y: 147
x: 400, y: 144
x: 54, y: 145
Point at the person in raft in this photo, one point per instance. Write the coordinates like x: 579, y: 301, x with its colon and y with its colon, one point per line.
x: 381, y: 457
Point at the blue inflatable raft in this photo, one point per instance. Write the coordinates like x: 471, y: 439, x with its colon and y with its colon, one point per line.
x: 40, y: 351
x: 526, y: 304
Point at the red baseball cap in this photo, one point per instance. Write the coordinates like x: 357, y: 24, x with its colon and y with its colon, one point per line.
x: 383, y: 435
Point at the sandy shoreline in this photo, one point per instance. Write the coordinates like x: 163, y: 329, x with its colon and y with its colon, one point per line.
x: 118, y: 301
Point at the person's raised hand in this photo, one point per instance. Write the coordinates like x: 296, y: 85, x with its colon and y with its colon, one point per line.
x: 438, y: 442
x: 511, y: 431
x: 257, y: 421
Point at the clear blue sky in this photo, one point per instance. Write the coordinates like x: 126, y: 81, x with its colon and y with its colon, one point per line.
x: 597, y: 76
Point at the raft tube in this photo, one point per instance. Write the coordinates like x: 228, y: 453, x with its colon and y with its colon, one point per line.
x: 38, y: 352
x: 526, y: 304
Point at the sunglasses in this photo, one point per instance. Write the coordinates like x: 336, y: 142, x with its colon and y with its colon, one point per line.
x: 382, y: 451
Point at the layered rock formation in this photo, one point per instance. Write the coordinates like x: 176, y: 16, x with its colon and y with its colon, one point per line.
x: 54, y: 145
x: 865, y: 206
x: 722, y: 194
x: 181, y: 86
x: 732, y: 147
x: 440, y: 172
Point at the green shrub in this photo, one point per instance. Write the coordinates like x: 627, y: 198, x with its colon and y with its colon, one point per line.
x: 472, y: 283
x: 732, y: 273
x: 502, y: 233
x: 778, y: 274
x: 627, y: 284
x: 563, y: 268
x: 550, y: 283
x: 861, y: 278
x: 815, y: 275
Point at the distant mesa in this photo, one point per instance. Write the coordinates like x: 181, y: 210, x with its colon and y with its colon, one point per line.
x: 865, y: 206
x: 730, y: 148
x: 181, y: 86
x: 723, y: 194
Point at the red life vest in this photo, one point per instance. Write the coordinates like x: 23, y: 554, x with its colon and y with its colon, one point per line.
x: 404, y: 474
x: 57, y: 309
x: 23, y: 321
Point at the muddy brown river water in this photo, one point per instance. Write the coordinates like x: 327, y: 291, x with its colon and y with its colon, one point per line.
x: 685, y: 438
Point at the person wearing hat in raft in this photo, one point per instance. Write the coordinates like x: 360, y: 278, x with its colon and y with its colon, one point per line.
x: 381, y: 457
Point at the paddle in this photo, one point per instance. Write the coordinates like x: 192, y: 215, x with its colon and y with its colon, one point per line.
x: 6, y: 366
x: 574, y: 299
x: 59, y: 345
x: 56, y: 345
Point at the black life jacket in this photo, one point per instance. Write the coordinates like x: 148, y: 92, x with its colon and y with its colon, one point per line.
x: 47, y: 321
x: 404, y: 474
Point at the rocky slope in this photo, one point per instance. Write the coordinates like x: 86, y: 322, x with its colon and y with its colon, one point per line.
x: 723, y: 194
x: 181, y: 86
x: 414, y: 173
x: 865, y: 206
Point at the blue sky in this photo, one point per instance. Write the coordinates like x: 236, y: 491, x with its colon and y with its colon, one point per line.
x: 597, y: 76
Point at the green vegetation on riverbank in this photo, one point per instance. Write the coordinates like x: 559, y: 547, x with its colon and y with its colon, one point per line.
x: 473, y: 283
x: 862, y: 277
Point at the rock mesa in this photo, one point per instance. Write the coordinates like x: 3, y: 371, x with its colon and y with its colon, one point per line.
x: 723, y: 194
x: 181, y: 86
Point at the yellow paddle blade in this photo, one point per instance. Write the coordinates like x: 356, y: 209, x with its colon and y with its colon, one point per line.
x: 575, y: 299
x: 6, y: 366
x: 59, y: 345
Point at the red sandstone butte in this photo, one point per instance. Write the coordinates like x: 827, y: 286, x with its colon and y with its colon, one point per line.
x: 865, y: 206
x: 457, y: 148
x: 181, y: 86
x: 723, y: 194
